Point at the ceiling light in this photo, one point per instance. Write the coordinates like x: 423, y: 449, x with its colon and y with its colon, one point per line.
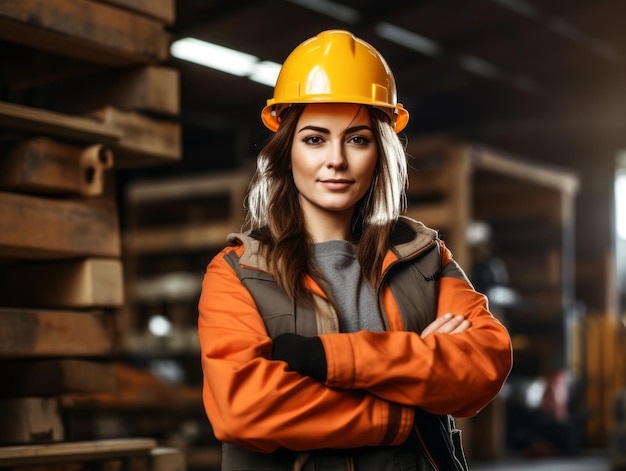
x: 408, y: 39
x: 429, y: 47
x: 479, y: 66
x: 226, y: 60
x: 523, y: 83
x: 571, y: 32
x: 563, y: 28
x: 265, y: 72
x: 214, y: 56
x: 519, y: 6
x: 332, y: 9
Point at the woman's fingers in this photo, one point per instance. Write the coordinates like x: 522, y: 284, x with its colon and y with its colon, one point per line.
x: 436, y: 324
x: 451, y: 325
x: 462, y: 327
x: 447, y: 324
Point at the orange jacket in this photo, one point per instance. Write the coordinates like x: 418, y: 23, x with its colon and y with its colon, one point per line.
x: 375, y: 379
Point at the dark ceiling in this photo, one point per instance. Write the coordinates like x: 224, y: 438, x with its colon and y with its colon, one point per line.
x: 538, y: 77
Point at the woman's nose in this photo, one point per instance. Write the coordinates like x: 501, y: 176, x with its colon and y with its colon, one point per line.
x: 336, y: 157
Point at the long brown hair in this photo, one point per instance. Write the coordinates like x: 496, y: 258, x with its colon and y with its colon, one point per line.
x: 275, y: 218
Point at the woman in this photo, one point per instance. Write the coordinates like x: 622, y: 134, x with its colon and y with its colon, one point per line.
x: 335, y: 333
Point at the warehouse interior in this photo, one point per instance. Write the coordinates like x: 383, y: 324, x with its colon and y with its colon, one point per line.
x: 124, y: 166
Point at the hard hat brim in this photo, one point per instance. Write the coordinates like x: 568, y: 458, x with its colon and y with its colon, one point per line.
x: 270, y: 114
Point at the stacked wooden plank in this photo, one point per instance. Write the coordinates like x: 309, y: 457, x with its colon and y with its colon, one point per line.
x: 101, y: 66
x: 86, y: 93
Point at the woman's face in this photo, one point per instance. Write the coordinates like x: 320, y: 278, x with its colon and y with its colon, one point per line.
x: 333, y: 158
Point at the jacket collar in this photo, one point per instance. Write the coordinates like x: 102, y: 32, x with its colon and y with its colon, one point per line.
x: 409, y: 238
x: 252, y: 255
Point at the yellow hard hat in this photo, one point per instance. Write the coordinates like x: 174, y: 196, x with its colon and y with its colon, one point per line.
x: 335, y: 67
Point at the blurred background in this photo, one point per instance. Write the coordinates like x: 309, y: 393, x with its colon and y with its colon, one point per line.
x: 128, y: 134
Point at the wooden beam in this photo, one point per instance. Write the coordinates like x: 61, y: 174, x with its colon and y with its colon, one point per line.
x: 534, y: 267
x: 167, y: 459
x: 56, y: 377
x: 51, y: 228
x: 33, y: 334
x: 42, y: 165
x: 169, y: 287
x: 160, y: 459
x: 95, y: 282
x: 84, y: 29
x: 151, y: 89
x: 65, y: 467
x: 140, y: 391
x: 75, y: 451
x: 158, y: 190
x: 29, y: 420
x: 48, y: 123
x: 533, y: 201
x: 190, y: 237
x: 162, y: 10
x: 531, y: 172
x: 438, y: 215
x: 144, y: 140
x: 423, y: 182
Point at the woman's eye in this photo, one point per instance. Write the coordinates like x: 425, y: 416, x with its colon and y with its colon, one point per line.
x: 312, y: 140
x: 359, y: 140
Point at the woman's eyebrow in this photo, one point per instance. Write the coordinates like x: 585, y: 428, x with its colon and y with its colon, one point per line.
x: 326, y: 131
x: 315, y: 128
x: 358, y: 128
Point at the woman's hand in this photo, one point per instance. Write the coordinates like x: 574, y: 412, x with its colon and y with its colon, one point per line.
x: 447, y: 324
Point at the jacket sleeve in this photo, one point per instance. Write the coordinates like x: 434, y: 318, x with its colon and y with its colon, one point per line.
x: 254, y: 402
x: 454, y: 374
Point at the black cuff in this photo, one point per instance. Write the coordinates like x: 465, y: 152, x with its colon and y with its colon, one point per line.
x: 305, y: 355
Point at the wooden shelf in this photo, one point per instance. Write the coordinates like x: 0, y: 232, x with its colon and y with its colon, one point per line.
x: 74, y: 452
x: 49, y: 123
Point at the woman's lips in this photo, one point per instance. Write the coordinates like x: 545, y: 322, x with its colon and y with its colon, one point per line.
x: 336, y: 184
